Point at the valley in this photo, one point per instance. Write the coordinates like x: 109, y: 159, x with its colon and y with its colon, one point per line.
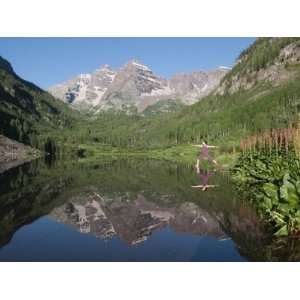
x: 250, y: 112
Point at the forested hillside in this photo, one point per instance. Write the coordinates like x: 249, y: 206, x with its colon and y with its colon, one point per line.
x: 26, y: 111
x: 261, y: 91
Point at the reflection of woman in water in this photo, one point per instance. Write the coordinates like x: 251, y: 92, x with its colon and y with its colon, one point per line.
x: 204, y: 176
x: 203, y: 154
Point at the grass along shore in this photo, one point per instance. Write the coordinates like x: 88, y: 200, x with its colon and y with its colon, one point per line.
x: 180, y: 153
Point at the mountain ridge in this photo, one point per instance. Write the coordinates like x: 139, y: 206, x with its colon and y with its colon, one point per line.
x: 268, y: 60
x: 244, y: 103
x: 134, y: 87
x: 26, y: 110
x: 265, y: 102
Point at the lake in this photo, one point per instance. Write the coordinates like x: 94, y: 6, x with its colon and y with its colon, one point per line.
x: 128, y: 210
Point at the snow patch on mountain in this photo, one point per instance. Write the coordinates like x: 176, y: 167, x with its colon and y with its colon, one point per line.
x: 134, y: 87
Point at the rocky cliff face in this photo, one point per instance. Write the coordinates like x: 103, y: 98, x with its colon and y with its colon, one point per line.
x: 13, y: 153
x: 134, y: 87
x: 269, y: 60
x: 85, y: 90
x: 191, y: 87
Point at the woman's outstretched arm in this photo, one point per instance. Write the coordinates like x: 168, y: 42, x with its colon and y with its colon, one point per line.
x: 208, y: 146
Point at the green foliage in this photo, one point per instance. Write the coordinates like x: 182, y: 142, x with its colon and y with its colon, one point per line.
x: 261, y: 54
x: 219, y: 119
x: 162, y: 107
x: 180, y: 153
x: 272, y: 182
x: 31, y: 115
x: 27, y: 113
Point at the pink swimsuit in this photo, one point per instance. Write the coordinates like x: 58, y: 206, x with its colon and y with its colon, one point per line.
x: 203, y: 153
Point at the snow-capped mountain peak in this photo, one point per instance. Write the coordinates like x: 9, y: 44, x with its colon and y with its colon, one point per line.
x: 134, y: 87
x: 138, y: 65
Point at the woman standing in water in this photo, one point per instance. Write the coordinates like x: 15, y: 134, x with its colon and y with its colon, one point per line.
x: 203, y: 154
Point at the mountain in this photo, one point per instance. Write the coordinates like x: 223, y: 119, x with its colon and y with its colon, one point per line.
x: 6, y: 66
x: 26, y: 110
x: 134, y: 87
x: 194, y: 86
x: 262, y: 91
x: 163, y: 106
x: 85, y: 90
x: 270, y: 61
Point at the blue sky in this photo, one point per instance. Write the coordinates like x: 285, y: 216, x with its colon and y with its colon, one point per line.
x: 47, y: 61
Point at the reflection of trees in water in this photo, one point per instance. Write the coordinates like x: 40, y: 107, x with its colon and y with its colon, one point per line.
x: 25, y: 195
x: 136, y: 198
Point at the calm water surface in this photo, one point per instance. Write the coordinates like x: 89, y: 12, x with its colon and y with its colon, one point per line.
x: 127, y: 210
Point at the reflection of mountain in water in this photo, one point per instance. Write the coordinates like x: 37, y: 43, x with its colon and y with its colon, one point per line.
x: 133, y: 221
x: 129, y: 200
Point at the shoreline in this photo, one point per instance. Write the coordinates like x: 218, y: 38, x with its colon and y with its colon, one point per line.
x: 13, y: 154
x: 179, y: 153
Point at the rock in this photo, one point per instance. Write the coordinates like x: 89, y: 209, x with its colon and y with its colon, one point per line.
x: 85, y: 90
x: 133, y: 88
x: 13, y: 153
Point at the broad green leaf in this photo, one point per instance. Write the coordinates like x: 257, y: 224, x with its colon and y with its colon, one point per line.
x: 267, y: 202
x: 277, y: 217
x: 286, y: 178
x: 288, y: 193
x: 297, y: 185
x: 284, y: 208
x: 283, y: 231
x: 271, y: 190
x: 284, y: 194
